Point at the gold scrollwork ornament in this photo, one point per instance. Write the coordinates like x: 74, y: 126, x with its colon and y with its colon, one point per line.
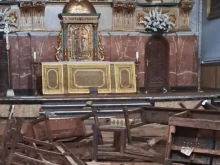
x: 59, y: 46
x: 101, y: 48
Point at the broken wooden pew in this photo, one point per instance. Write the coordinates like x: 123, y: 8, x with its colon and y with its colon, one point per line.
x: 17, y: 149
x: 194, y: 137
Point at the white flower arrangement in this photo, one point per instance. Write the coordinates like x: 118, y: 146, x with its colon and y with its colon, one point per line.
x: 156, y: 22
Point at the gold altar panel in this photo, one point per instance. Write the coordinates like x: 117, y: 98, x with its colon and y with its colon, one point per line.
x: 52, y: 79
x: 80, y: 42
x: 125, y: 80
x: 83, y: 76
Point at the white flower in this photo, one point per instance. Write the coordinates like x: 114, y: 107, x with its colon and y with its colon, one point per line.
x: 155, y: 21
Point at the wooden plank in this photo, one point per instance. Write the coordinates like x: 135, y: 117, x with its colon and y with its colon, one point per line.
x: 199, y: 150
x: 124, y: 155
x: 161, y: 115
x: 182, y: 114
x: 195, y: 123
x: 31, y: 160
x: 76, y: 159
x: 68, y: 158
x: 16, y: 137
x: 32, y: 149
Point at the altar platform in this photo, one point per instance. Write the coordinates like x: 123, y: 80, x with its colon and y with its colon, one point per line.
x: 149, y: 98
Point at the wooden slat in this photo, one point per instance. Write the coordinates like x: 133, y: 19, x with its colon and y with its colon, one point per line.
x: 195, y: 123
x: 199, y: 150
x: 31, y: 160
x: 29, y: 148
x: 68, y: 158
x: 182, y: 114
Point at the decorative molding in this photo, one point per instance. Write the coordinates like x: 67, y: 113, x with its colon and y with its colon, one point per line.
x: 179, y: 15
x: 38, y: 15
x: 123, y: 15
x: 32, y: 15
x: 101, y: 48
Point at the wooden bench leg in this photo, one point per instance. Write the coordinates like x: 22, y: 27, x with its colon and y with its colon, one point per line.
x: 95, y: 142
x: 16, y: 137
x: 172, y: 130
x: 119, y: 141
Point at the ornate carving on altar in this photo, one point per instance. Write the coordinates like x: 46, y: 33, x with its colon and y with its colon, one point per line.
x: 52, y: 78
x: 123, y: 15
x: 79, y: 22
x: 125, y: 78
x: 78, y: 77
x: 32, y: 15
x: 80, y: 42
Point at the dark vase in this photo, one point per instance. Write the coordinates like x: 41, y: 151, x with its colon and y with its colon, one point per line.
x: 157, y: 34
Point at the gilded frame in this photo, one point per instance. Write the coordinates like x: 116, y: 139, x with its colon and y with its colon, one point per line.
x: 59, y: 68
x: 213, y: 13
x: 132, y: 77
x: 90, y: 67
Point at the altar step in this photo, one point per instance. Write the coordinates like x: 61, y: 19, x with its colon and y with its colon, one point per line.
x: 81, y: 107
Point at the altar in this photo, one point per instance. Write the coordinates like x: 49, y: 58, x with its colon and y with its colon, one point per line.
x: 79, y: 77
x: 80, y: 66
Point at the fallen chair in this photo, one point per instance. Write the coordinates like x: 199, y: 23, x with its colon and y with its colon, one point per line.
x: 118, y: 150
x: 61, y: 129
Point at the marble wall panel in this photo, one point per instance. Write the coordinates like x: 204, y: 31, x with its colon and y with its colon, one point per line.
x: 20, y: 60
x: 187, y: 60
x: 182, y: 61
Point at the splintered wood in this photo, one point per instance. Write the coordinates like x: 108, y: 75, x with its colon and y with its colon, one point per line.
x: 19, y: 150
x: 142, y: 136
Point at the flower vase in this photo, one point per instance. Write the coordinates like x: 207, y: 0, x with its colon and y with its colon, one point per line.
x: 158, y: 34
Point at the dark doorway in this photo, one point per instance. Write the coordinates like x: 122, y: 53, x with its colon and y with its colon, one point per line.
x: 3, y: 67
x: 156, y: 64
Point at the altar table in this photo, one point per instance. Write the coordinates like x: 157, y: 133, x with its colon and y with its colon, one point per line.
x: 78, y: 77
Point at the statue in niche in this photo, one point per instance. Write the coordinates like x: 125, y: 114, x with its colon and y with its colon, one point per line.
x: 80, y: 42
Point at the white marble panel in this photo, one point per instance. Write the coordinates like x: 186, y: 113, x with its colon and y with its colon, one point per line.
x: 105, y: 20
x: 51, y: 20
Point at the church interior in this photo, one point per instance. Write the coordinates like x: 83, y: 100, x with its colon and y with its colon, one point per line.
x: 109, y: 82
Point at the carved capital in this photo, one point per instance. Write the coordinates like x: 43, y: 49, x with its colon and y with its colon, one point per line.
x: 39, y: 6
x: 186, y: 5
x: 130, y: 7
x: 118, y: 7
x: 95, y: 26
x: 26, y: 7
x: 64, y: 25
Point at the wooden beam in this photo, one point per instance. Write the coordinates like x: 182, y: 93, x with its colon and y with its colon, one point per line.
x: 195, y: 123
x: 199, y: 150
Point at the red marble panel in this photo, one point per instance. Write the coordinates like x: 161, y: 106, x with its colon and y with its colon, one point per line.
x: 182, y: 60
x: 172, y: 60
x: 25, y: 68
x: 14, y: 55
x: 123, y: 48
x: 187, y: 61
x: 106, y: 43
x: 20, y: 61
